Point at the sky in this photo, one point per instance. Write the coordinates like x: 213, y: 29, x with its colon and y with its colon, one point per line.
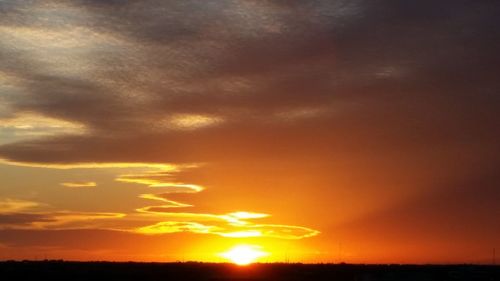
x: 363, y: 131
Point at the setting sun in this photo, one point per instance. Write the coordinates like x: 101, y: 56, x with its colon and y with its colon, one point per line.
x: 244, y: 254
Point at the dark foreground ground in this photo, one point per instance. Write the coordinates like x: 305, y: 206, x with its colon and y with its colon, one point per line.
x: 71, y: 271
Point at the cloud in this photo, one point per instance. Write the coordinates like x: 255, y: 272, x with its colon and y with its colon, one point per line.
x: 247, y: 215
x: 162, y: 175
x: 57, y: 220
x: 10, y: 205
x: 94, y: 165
x: 23, y: 214
x: 173, y: 227
x: 161, y: 197
x: 26, y: 126
x: 160, y: 179
x: 76, y: 220
x: 18, y: 214
x: 273, y: 68
x: 191, y: 121
x: 232, y: 225
x: 79, y: 184
x: 22, y: 219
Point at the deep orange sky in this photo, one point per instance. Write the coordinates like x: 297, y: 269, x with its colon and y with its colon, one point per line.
x: 320, y: 131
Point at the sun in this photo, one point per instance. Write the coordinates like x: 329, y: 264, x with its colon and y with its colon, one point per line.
x: 244, y: 254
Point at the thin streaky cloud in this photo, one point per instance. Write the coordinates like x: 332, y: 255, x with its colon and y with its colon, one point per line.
x: 78, y: 184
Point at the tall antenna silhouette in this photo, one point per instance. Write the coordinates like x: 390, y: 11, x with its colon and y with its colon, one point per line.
x: 287, y: 258
x: 340, y: 252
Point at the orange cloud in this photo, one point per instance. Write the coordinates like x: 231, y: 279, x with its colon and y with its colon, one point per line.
x: 168, y: 203
x: 23, y: 214
x: 233, y: 225
x: 192, y: 121
x: 74, y: 220
x: 10, y: 205
x: 165, y: 178
x: 79, y: 184
x: 94, y: 165
x: 29, y: 125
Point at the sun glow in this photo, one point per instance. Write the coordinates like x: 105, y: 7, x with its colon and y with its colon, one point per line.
x: 244, y: 254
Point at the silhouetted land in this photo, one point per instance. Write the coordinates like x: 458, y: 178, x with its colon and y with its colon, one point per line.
x: 71, y: 271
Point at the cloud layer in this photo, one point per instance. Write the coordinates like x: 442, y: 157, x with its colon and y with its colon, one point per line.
x: 242, y: 72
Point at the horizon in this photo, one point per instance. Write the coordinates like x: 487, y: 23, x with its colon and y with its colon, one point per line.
x: 229, y: 271
x: 247, y: 131
x: 253, y: 264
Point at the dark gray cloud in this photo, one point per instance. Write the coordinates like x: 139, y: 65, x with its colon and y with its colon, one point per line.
x: 313, y: 75
x: 322, y: 76
x: 21, y: 219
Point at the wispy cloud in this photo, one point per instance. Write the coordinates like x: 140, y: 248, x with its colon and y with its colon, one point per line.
x: 95, y: 165
x: 10, y: 205
x: 19, y: 214
x: 233, y: 225
x: 57, y: 220
x: 75, y: 220
x: 30, y: 125
x: 79, y: 184
x: 206, y: 83
x: 192, y: 121
x: 166, y: 202
x: 165, y: 179
x: 22, y: 214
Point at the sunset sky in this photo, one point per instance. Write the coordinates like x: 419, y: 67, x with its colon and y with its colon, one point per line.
x: 363, y: 131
